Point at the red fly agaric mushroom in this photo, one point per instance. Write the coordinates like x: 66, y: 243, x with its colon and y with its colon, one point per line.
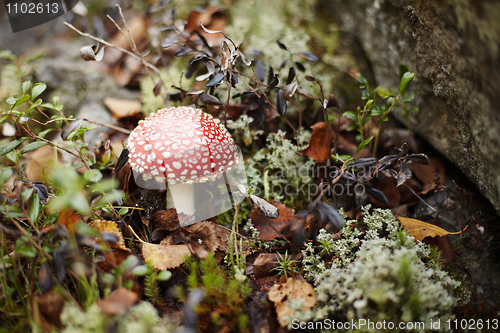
x: 181, y: 146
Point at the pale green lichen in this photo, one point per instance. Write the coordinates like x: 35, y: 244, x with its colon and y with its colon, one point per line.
x: 287, y: 175
x: 241, y: 131
x: 139, y: 318
x: 379, y: 278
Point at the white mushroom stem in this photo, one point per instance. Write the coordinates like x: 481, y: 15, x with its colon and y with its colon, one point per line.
x: 181, y: 197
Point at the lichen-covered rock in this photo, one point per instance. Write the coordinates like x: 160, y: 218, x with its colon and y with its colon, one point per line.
x: 454, y: 48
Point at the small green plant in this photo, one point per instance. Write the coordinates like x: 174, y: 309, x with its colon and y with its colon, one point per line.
x: 285, y: 265
x: 225, y: 296
x: 151, y: 278
x: 235, y: 258
x: 371, y: 109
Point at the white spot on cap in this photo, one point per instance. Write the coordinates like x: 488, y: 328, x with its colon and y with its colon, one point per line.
x: 184, y: 172
x: 177, y: 165
x: 147, y: 147
x: 162, y: 169
x: 166, y: 154
x: 151, y: 157
x: 171, y: 175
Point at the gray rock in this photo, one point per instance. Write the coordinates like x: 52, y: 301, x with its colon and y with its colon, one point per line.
x: 454, y: 48
x: 74, y: 80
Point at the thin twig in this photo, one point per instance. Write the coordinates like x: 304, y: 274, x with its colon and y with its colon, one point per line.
x: 113, y: 127
x: 102, y: 41
x: 432, y: 208
x: 133, y: 232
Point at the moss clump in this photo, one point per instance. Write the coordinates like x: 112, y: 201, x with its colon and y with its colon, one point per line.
x: 224, y: 300
x: 391, y: 278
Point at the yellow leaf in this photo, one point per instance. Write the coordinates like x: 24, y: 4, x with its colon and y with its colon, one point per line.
x: 165, y: 257
x: 280, y: 294
x: 420, y: 230
x: 111, y: 228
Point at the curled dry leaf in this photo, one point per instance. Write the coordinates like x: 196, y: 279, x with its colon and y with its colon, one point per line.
x: 420, y: 230
x: 320, y: 144
x: 92, y: 52
x: 307, y: 56
x: 111, y: 228
x: 281, y: 294
x: 269, y: 210
x: 281, y: 103
x: 289, y: 91
x: 70, y: 128
x: 121, y: 108
x: 119, y: 300
x: 165, y: 257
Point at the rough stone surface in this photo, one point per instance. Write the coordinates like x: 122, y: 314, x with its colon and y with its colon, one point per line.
x: 454, y: 47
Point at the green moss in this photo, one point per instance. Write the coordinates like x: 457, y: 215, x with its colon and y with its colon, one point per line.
x: 225, y: 296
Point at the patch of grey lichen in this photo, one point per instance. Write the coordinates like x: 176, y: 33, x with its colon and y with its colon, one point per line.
x: 142, y: 317
x: 287, y: 173
x: 379, y: 278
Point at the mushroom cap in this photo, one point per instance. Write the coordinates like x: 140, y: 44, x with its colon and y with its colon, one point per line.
x: 181, y: 144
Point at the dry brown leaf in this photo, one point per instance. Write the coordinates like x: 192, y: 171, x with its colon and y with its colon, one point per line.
x: 138, y: 28
x: 51, y: 305
x: 320, y: 144
x: 264, y: 263
x: 285, y: 223
x: 420, y: 230
x: 207, y: 233
x: 281, y: 294
x: 119, y: 300
x: 211, y: 18
x: 69, y: 219
x: 125, y: 70
x: 426, y: 173
x: 391, y: 192
x: 121, y: 108
x: 40, y: 163
x: 111, y: 228
x: 165, y: 219
x: 113, y: 259
x: 165, y: 257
